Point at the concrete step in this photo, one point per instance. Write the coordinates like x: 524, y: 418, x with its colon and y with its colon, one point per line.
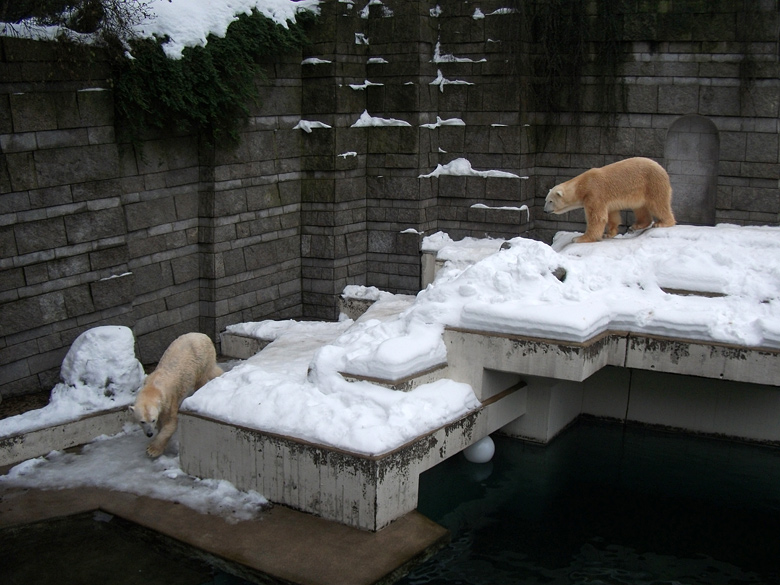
x: 366, y: 492
x: 17, y: 448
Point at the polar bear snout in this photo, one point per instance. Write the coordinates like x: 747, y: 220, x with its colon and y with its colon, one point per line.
x: 550, y: 201
x: 148, y: 428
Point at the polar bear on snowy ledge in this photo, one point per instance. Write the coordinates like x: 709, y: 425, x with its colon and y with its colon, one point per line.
x: 636, y: 183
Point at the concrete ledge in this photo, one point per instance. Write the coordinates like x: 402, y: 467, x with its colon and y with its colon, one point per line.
x: 366, y: 492
x: 354, y: 308
x: 722, y: 361
x: 468, y: 350
x: 17, y: 448
x: 577, y: 361
x: 240, y: 347
x: 403, y: 384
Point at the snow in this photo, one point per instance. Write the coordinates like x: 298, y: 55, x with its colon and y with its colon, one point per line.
x: 447, y: 122
x: 386, y: 12
x: 615, y: 284
x: 187, y: 23
x: 293, y: 387
x: 368, y: 293
x: 441, y: 81
x: 364, y: 85
x: 506, y: 207
x: 366, y: 120
x: 621, y: 284
x: 449, y: 58
x: 314, y: 61
x: 308, y: 125
x: 120, y: 463
x: 99, y: 372
x: 462, y: 167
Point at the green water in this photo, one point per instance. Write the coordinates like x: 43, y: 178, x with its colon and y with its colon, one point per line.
x: 607, y: 504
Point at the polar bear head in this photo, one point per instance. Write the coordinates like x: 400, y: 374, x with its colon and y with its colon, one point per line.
x: 562, y: 198
x: 147, y: 415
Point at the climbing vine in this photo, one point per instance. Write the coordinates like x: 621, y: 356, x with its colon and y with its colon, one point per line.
x: 207, y: 91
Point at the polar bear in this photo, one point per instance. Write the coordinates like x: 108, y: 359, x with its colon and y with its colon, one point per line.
x: 636, y: 183
x: 187, y: 364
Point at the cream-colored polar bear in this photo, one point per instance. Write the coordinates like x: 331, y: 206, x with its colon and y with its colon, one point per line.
x: 188, y: 363
x: 637, y: 183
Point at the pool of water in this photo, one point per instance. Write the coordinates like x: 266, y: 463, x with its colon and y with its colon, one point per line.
x: 98, y: 548
x: 607, y: 504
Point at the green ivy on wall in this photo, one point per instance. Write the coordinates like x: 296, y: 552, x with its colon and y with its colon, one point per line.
x: 208, y: 91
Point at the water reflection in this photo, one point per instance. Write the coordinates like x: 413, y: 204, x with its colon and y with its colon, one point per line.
x: 607, y: 504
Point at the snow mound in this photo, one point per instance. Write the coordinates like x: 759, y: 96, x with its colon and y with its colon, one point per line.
x: 639, y: 283
x: 99, y: 372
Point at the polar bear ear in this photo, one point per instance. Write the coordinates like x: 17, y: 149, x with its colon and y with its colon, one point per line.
x: 558, y: 193
x: 131, y: 408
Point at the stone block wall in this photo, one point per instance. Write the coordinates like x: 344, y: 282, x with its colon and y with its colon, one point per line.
x: 700, y: 85
x: 168, y: 237
x: 250, y: 211
x: 181, y: 236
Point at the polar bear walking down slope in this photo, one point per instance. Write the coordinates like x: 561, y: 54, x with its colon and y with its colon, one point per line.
x: 640, y: 184
x: 188, y: 363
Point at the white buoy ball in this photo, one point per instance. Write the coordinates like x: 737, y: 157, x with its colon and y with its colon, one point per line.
x: 480, y: 452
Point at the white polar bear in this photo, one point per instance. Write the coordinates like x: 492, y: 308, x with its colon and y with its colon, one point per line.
x: 188, y: 363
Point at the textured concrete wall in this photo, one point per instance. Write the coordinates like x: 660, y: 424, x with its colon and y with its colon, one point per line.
x: 180, y: 237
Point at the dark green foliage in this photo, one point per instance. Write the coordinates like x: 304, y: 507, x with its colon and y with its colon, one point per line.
x: 208, y: 90
x: 47, y: 11
x: 107, y: 18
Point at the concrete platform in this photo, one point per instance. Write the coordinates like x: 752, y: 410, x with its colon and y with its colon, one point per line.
x: 280, y: 546
x: 564, y: 360
x: 17, y: 448
x: 362, y: 491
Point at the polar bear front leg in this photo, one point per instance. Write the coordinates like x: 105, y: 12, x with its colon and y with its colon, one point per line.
x: 158, y: 444
x: 597, y: 220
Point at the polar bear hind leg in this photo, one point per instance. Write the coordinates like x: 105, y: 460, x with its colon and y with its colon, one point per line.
x: 614, y: 223
x: 663, y: 214
x: 642, y: 219
x: 207, y: 376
